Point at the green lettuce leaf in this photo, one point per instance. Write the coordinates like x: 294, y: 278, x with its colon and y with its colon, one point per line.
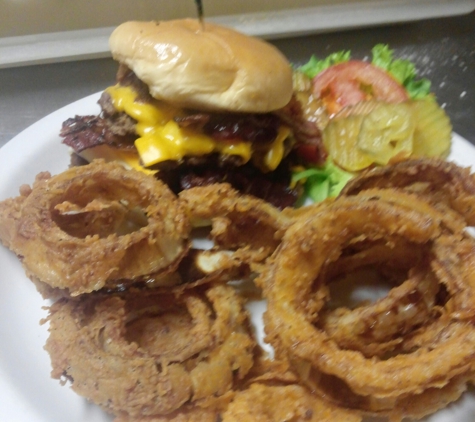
x: 402, y: 70
x: 315, y: 65
x: 323, y: 182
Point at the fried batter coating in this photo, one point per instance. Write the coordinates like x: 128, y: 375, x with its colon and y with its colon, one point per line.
x: 436, y: 180
x: 93, y: 226
x: 10, y: 210
x: 144, y: 355
x: 267, y: 403
x: 184, y: 414
x: 396, y: 409
x: 164, y: 340
x: 379, y: 328
x: 297, y: 295
x: 239, y: 222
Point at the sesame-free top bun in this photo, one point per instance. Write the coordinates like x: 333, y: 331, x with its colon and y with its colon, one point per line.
x: 215, y: 69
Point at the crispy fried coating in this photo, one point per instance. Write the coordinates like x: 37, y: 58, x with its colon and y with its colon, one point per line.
x: 396, y: 409
x: 166, y: 338
x: 297, y: 296
x: 378, y: 328
x: 144, y: 355
x: 436, y: 180
x: 250, y: 226
x: 184, y: 414
x: 268, y: 403
x: 93, y: 226
x: 10, y: 210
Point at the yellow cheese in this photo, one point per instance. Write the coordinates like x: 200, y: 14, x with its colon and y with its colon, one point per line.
x: 170, y: 142
x: 274, y: 155
x: 129, y: 160
x: 161, y: 138
x: 146, y: 114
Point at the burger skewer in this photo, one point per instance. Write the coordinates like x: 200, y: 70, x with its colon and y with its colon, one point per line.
x: 199, y: 6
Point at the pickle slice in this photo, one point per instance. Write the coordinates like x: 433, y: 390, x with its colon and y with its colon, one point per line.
x: 374, y: 132
x: 387, y: 133
x: 433, y: 133
x: 340, y: 138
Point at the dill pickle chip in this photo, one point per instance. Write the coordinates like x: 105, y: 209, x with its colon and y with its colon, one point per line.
x: 362, y: 108
x: 340, y: 137
x: 433, y: 133
x: 375, y: 132
x: 387, y: 133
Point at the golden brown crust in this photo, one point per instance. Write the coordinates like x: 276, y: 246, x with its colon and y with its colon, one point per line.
x: 242, y: 223
x: 297, y: 295
x: 146, y: 354
x: 96, y: 225
x: 444, y: 184
x: 264, y: 403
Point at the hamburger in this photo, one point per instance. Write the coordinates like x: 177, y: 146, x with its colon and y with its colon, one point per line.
x: 197, y: 103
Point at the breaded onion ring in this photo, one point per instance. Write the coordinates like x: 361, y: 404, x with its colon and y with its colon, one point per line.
x: 379, y: 328
x: 271, y: 403
x: 242, y: 223
x: 412, y: 406
x: 93, y: 225
x: 144, y: 355
x: 10, y: 211
x: 438, y: 181
x: 272, y: 390
x: 184, y: 414
x: 196, y: 268
x: 296, y: 296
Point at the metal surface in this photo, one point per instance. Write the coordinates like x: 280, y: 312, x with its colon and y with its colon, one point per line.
x: 81, y: 33
x: 442, y: 49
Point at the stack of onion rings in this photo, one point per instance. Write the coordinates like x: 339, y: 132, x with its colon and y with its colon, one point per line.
x: 429, y: 360
x: 144, y: 354
x: 152, y: 330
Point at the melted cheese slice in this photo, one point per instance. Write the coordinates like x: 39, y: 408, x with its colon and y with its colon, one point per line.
x: 161, y: 138
x: 129, y: 160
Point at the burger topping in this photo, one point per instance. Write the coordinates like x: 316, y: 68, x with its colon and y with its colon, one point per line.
x: 163, y: 136
x: 257, y: 128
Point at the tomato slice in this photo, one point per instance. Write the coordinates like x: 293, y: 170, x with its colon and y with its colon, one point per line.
x: 348, y: 83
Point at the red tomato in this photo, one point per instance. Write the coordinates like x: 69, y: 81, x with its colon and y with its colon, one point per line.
x: 354, y: 81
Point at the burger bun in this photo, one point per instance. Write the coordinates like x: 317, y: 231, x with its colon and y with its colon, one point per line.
x: 204, y: 66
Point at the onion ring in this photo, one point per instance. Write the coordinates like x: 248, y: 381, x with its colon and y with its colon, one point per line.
x: 270, y: 403
x: 411, y: 303
x: 91, y: 226
x: 379, y: 328
x: 10, y: 211
x: 414, y: 407
x: 295, y: 299
x: 184, y: 414
x: 198, y: 267
x: 248, y: 225
x: 147, y: 354
x: 436, y: 180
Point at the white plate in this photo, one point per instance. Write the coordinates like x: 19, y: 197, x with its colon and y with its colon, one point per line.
x: 27, y: 393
